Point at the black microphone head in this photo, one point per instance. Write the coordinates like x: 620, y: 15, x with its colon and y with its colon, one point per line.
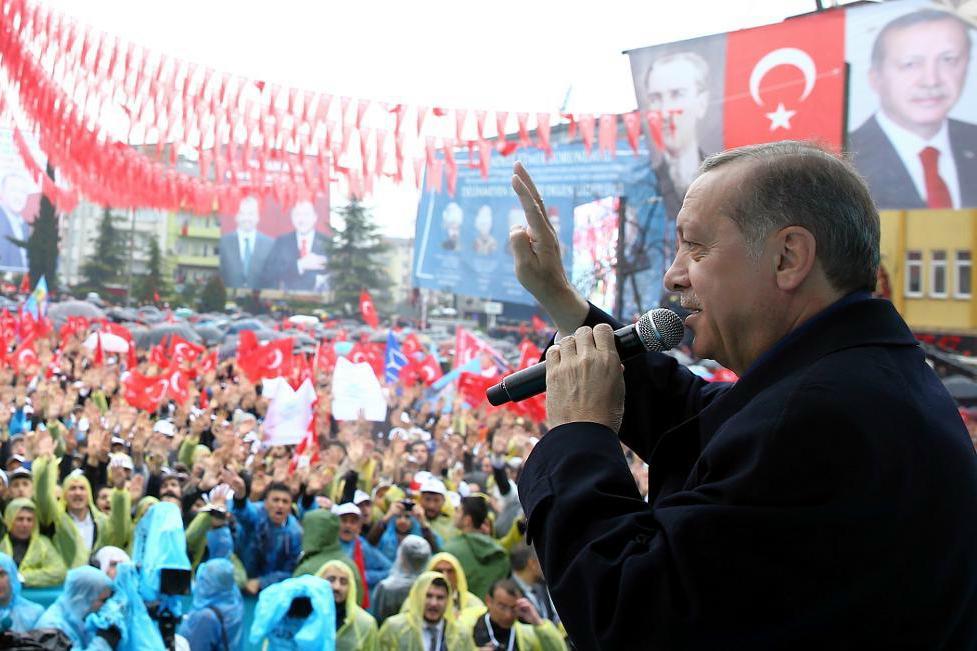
x: 660, y: 329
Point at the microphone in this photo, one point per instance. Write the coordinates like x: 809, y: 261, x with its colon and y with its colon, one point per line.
x: 658, y: 330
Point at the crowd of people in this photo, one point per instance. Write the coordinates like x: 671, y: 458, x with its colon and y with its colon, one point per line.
x: 403, y: 534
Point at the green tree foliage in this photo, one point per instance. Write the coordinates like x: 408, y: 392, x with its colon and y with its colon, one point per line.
x: 213, y: 297
x: 108, y: 263
x: 153, y: 282
x: 354, y: 260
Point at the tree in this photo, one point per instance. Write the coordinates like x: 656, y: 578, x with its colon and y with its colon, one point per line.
x: 108, y: 261
x: 153, y: 282
x: 354, y: 259
x: 214, y: 295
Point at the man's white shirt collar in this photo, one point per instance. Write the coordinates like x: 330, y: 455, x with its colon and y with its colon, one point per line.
x: 908, y: 145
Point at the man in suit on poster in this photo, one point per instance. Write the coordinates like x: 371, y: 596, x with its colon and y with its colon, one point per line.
x: 910, y: 152
x: 298, y: 259
x: 244, y: 251
x: 13, y: 199
x: 677, y: 86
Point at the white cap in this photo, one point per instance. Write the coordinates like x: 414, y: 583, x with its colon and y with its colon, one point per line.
x: 346, y: 509
x: 121, y: 459
x: 164, y: 427
x: 360, y: 496
x: 434, y: 485
x: 421, y: 477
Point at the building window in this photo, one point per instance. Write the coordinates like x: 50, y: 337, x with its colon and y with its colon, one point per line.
x: 938, y: 274
x: 914, y: 273
x: 961, y: 273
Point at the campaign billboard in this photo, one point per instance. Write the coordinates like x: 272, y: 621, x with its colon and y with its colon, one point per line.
x: 462, y: 241
x: 20, y: 197
x: 891, y: 84
x: 266, y: 246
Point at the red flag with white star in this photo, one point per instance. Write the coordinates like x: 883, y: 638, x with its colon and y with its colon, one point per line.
x: 786, y: 81
x: 368, y: 310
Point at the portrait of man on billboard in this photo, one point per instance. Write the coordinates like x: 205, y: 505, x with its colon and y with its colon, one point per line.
x: 683, y: 84
x: 14, y: 193
x: 245, y: 250
x: 910, y: 150
x: 298, y: 258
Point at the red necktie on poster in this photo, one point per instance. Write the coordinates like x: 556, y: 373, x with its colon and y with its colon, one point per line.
x: 303, y: 248
x: 937, y: 193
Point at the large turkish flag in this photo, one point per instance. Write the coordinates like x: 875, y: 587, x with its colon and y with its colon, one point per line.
x: 786, y: 82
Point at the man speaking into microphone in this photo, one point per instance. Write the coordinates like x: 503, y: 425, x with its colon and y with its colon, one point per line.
x: 828, y: 499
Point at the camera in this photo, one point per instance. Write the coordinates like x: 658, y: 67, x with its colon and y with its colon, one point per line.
x: 174, y: 582
x: 300, y: 608
x: 408, y: 505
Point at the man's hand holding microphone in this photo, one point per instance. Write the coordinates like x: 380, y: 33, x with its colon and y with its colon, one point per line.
x: 584, y: 376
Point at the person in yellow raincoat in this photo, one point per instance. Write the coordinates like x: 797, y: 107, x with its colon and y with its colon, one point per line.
x: 38, y: 562
x: 357, y: 629
x: 467, y: 606
x: 79, y: 527
x: 510, y: 621
x: 427, y: 620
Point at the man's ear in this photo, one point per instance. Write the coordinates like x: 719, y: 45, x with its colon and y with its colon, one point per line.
x: 794, y: 257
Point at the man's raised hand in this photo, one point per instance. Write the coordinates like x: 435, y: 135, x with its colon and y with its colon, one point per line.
x: 538, y: 265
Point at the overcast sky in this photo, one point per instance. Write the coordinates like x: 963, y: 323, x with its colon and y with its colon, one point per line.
x: 523, y: 55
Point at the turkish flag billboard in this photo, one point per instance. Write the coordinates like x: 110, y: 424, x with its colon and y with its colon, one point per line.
x: 786, y: 82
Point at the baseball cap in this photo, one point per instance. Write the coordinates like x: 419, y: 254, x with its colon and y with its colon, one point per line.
x: 346, y: 509
x: 434, y: 485
x: 360, y: 496
x: 164, y: 427
x: 20, y: 472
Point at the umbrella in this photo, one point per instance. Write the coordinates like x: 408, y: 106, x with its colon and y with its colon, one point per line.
x: 157, y: 333
x: 962, y: 389
x: 59, y: 312
x: 210, y: 334
x: 110, y: 343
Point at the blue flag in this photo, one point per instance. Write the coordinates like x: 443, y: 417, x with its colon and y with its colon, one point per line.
x: 37, y: 301
x: 394, y: 359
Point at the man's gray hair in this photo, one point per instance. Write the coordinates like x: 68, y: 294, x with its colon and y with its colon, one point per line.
x: 792, y: 183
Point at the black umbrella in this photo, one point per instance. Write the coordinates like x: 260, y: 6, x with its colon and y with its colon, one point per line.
x: 962, y: 389
x: 59, y: 312
x: 210, y: 334
x: 157, y: 333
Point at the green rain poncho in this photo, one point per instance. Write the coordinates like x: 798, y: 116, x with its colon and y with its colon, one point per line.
x: 358, y: 631
x: 42, y: 565
x: 404, y: 632
x: 110, y: 531
x: 483, y: 560
x: 320, y: 544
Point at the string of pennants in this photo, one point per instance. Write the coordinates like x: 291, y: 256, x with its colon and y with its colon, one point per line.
x: 73, y: 84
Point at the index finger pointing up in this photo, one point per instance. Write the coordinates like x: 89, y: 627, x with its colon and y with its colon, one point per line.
x: 532, y: 205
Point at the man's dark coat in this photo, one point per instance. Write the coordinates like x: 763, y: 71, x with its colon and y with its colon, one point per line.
x: 826, y: 500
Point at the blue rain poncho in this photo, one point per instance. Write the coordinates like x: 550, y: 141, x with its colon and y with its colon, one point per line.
x: 18, y: 614
x: 218, y: 609
x: 317, y: 632
x: 126, y: 611
x: 159, y: 543
x: 82, y: 588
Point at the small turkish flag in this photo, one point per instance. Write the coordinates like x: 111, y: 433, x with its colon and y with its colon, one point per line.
x: 367, y: 309
x: 270, y: 360
x: 99, y: 351
x: 144, y: 392
x: 181, y: 350
x: 786, y: 81
x: 24, y: 356
x: 177, y: 384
